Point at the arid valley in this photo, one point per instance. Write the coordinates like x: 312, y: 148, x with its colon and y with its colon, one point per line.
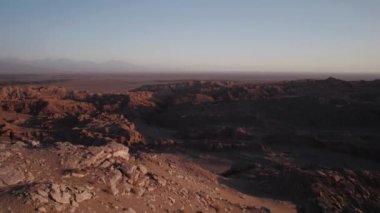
x: 167, y: 106
x: 189, y: 145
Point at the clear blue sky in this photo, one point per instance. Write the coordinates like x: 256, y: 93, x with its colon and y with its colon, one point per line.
x: 265, y: 35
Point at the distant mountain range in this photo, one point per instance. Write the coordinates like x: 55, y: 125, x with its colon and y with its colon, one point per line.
x: 13, y: 66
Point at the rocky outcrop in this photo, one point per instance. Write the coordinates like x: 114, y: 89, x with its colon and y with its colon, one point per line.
x: 11, y: 175
x: 58, y: 196
x: 113, y: 163
x: 320, y: 190
x: 78, y: 157
x: 91, y: 118
x: 109, y: 127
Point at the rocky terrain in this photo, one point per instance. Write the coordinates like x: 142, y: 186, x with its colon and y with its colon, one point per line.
x: 192, y: 146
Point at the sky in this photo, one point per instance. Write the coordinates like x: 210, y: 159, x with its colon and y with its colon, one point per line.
x: 202, y: 35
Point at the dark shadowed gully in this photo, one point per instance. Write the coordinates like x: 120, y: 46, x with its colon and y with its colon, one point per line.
x: 192, y: 146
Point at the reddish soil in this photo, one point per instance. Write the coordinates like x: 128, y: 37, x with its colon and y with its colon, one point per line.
x: 194, y: 146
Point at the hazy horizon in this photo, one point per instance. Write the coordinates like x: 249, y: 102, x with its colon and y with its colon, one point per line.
x: 209, y: 36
